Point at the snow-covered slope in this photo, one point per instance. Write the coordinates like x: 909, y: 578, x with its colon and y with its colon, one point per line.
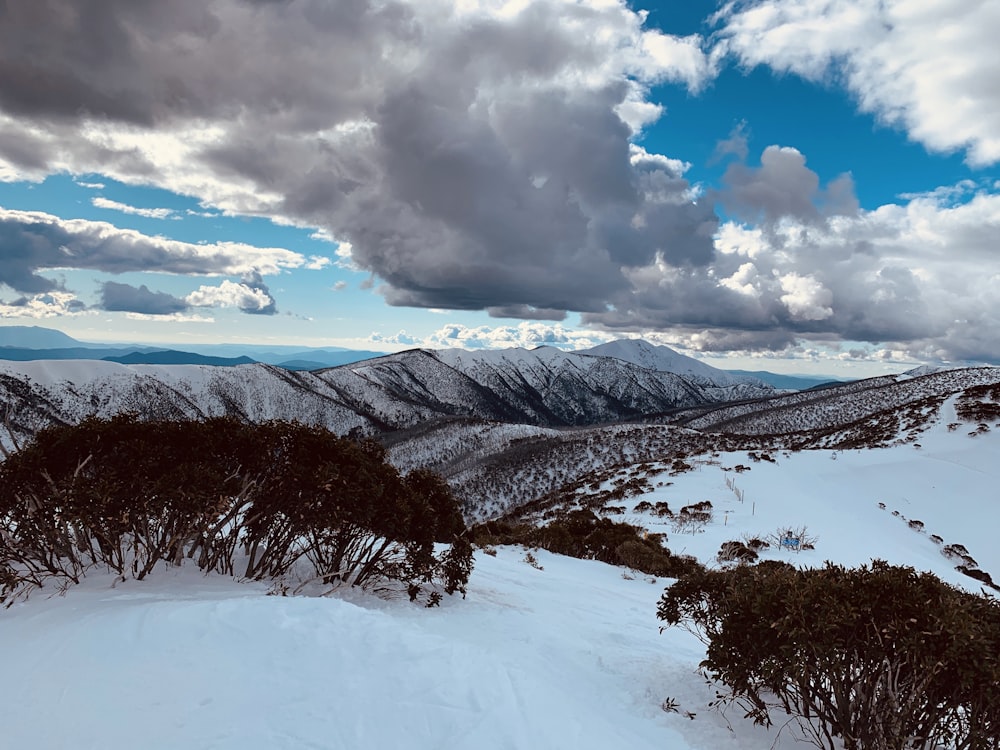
x: 563, y: 654
x: 843, y: 405
x: 543, y: 387
x: 665, y: 359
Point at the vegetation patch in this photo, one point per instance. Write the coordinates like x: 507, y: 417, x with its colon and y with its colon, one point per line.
x: 871, y: 657
x: 254, y: 501
x: 582, y: 534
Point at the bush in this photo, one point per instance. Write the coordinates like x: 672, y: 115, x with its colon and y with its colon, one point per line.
x: 874, y: 658
x: 249, y: 500
x: 793, y: 538
x: 582, y: 534
x: 693, y: 518
x: 734, y: 551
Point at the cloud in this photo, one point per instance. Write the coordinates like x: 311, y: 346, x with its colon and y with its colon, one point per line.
x: 480, y: 155
x: 735, y: 145
x: 117, y: 297
x: 525, y: 311
x: 526, y: 335
x: 473, y: 155
x: 34, y: 242
x: 782, y: 186
x: 172, y: 318
x: 929, y: 68
x: 55, y: 304
x: 915, y: 278
x: 149, y: 213
x: 251, y: 295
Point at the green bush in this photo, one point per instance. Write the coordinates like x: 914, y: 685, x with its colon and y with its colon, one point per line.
x: 874, y: 658
x: 248, y: 500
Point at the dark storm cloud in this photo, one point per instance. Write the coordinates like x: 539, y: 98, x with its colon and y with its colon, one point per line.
x: 526, y: 312
x: 473, y: 161
x: 117, y: 297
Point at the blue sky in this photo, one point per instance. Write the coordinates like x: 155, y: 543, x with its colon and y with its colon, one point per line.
x: 793, y: 185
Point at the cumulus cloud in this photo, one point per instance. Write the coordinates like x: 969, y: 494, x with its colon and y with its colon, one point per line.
x: 914, y: 278
x: 251, y: 295
x: 33, y: 242
x: 930, y: 68
x: 55, y: 304
x: 471, y: 155
x: 526, y: 335
x: 481, y: 155
x: 783, y: 186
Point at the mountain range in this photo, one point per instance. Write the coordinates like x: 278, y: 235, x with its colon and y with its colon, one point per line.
x: 543, y: 387
x: 31, y: 343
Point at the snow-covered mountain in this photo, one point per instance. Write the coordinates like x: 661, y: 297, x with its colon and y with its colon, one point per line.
x: 543, y: 387
x: 546, y: 651
x: 665, y: 359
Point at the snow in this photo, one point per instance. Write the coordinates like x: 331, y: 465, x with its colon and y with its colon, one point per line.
x: 665, y: 359
x: 566, y: 656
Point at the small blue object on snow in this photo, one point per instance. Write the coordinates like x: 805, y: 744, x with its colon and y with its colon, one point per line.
x: 790, y: 542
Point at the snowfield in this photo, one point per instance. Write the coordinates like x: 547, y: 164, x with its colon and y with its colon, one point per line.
x: 567, y: 656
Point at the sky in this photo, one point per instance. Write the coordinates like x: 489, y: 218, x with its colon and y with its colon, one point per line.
x: 791, y: 185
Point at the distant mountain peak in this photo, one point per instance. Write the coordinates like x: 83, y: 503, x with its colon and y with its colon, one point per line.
x: 664, y: 359
x: 36, y: 337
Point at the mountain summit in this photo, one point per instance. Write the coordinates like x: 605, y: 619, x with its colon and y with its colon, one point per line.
x: 665, y: 359
x: 36, y: 337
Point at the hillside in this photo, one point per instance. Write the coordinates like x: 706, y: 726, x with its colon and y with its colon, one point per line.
x: 543, y: 387
x: 556, y: 653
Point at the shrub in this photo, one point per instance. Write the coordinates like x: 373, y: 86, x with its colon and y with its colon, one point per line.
x: 755, y: 542
x: 793, y: 538
x: 870, y: 658
x: 582, y: 534
x: 249, y: 500
x: 693, y: 518
x: 733, y: 551
x: 979, y: 575
x: 952, y: 551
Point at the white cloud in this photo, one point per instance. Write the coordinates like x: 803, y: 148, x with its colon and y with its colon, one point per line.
x: 918, y: 277
x: 172, y: 318
x: 148, y: 213
x: 317, y: 263
x: 928, y: 67
x: 805, y: 298
x: 527, y: 335
x: 53, y: 304
x: 230, y: 294
x: 39, y: 241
